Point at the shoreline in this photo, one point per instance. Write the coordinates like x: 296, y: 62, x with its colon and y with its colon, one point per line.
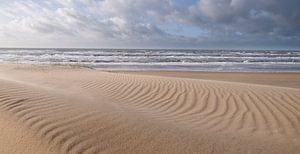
x: 120, y: 69
x: 167, y: 68
x: 281, y: 79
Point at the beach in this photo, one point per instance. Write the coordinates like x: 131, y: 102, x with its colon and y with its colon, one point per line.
x: 74, y: 109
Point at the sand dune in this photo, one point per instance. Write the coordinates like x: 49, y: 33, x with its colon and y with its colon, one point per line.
x: 55, y: 109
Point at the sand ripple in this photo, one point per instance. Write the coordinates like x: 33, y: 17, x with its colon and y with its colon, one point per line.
x: 82, y: 111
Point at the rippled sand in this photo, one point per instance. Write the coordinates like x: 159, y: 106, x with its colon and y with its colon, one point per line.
x: 61, y: 109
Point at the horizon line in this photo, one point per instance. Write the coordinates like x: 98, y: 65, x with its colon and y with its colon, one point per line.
x: 123, y: 48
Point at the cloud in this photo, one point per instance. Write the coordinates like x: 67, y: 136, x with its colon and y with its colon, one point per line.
x: 138, y: 23
x: 95, y: 20
x: 273, y: 18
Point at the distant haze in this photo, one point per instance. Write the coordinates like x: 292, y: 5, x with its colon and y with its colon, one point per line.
x: 242, y: 24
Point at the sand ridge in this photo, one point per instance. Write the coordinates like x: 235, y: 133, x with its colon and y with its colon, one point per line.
x: 78, y: 110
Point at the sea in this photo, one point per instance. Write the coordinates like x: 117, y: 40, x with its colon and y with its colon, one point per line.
x: 160, y: 59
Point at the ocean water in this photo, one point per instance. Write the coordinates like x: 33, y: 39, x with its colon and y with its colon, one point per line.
x: 148, y: 59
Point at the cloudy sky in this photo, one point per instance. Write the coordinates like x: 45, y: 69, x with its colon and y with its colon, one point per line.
x: 250, y: 24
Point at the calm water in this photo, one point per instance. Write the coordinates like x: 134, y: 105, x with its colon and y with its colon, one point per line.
x: 205, y: 60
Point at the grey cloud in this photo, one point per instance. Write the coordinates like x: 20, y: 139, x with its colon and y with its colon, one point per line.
x: 272, y: 17
x: 139, y: 21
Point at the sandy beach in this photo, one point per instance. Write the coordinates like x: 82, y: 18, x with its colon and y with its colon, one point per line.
x: 70, y: 109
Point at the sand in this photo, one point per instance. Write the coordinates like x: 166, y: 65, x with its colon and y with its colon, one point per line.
x: 288, y: 79
x: 67, y: 109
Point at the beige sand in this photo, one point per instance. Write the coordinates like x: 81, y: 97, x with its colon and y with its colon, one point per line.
x: 60, y: 109
x: 289, y: 79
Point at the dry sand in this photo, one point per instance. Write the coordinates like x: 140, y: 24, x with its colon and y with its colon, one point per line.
x: 61, y: 109
x: 288, y: 79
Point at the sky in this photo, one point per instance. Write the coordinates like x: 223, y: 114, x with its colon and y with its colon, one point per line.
x: 217, y: 24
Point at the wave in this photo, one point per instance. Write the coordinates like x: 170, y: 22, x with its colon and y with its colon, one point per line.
x: 204, y: 59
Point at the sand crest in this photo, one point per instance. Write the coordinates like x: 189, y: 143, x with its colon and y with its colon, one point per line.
x: 55, y: 109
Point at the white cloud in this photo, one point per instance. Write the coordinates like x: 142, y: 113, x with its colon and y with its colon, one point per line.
x: 96, y: 20
x: 139, y: 22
